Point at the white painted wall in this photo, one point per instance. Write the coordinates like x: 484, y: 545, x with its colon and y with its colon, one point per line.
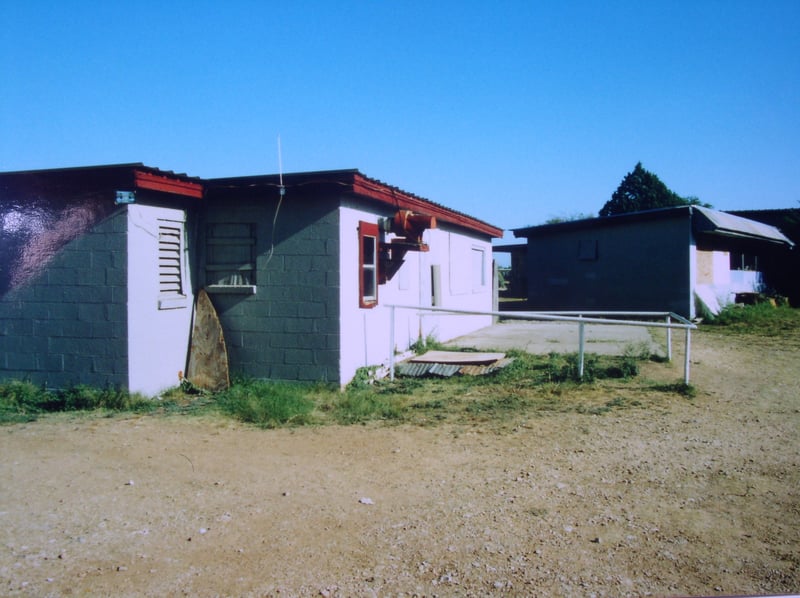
x: 721, y: 261
x: 717, y: 284
x: 158, y: 327
x: 365, y: 336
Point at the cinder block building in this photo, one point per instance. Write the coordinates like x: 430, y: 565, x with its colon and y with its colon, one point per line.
x: 101, y: 267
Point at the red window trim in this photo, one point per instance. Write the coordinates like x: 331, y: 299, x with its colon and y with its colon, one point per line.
x: 367, y: 229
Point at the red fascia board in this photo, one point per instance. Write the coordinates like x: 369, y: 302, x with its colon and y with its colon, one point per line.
x: 400, y: 200
x: 165, y: 184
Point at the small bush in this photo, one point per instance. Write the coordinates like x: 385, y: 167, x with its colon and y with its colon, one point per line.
x: 364, y: 376
x: 629, y: 367
x: 566, y: 368
x: 21, y: 401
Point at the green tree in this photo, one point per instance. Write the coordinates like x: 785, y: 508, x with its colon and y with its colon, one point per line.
x: 643, y: 190
x: 568, y: 218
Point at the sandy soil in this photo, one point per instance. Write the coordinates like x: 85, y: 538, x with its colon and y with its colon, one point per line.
x: 677, y: 497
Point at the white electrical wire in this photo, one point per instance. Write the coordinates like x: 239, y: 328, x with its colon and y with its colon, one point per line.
x: 282, y: 192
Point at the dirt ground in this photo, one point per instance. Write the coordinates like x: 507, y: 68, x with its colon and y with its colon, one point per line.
x: 676, y: 497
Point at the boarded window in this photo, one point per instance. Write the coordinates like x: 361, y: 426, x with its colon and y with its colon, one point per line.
x: 587, y: 250
x: 230, y: 254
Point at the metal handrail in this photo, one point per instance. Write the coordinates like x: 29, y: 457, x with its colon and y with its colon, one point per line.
x: 570, y: 316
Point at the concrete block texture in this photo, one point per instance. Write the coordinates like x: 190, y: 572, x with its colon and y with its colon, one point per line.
x: 287, y: 329
x: 63, y: 318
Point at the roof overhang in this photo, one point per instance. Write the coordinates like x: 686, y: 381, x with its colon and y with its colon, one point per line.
x: 353, y: 183
x: 157, y: 181
x: 116, y: 177
x: 374, y: 189
x: 722, y: 224
x: 510, y: 248
x: 704, y: 221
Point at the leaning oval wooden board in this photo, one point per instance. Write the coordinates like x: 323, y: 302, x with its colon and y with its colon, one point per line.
x: 208, y: 356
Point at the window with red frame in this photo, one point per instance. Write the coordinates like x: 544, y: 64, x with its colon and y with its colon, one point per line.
x: 367, y: 264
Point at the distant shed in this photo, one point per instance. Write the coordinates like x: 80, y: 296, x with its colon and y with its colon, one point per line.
x: 672, y: 259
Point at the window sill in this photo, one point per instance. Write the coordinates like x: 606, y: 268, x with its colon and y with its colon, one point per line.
x: 238, y: 289
x: 177, y: 302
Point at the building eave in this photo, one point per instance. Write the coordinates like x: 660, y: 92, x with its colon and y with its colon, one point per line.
x: 703, y: 220
x: 112, y: 177
x: 166, y: 184
x: 373, y: 189
x: 354, y: 183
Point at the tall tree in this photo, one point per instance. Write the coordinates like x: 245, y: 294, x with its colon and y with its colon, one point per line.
x: 643, y: 190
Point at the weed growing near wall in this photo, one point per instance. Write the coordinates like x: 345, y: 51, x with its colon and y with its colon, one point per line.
x: 267, y: 404
x: 22, y: 401
x: 429, y: 343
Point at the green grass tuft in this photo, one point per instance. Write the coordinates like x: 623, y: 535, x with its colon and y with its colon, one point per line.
x: 267, y: 404
x: 22, y: 401
x: 359, y: 406
x: 761, y: 318
x: 429, y: 343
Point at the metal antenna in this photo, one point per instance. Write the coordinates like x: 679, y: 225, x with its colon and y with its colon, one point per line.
x: 282, y: 192
x: 280, y: 169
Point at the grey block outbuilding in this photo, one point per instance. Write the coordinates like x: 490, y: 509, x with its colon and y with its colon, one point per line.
x: 682, y: 259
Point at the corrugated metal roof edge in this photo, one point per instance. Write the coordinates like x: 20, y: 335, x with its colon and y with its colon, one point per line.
x: 99, y: 168
x: 360, y: 184
x: 349, y: 177
x: 591, y: 222
x: 727, y: 224
x: 619, y: 219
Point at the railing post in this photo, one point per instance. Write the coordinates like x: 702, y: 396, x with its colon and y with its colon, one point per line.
x: 669, y: 338
x: 687, y: 352
x: 580, y: 348
x: 391, y: 342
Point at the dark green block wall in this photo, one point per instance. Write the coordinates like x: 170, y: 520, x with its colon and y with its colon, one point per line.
x: 643, y: 267
x: 67, y: 324
x: 288, y: 330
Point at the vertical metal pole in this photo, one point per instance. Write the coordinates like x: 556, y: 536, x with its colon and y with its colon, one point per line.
x: 686, y: 358
x: 669, y: 338
x: 580, y: 348
x: 391, y: 343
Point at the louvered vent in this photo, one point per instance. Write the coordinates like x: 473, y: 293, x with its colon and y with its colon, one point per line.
x: 169, y: 259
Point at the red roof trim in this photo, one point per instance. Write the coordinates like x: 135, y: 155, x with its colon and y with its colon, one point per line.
x: 373, y: 189
x: 157, y: 182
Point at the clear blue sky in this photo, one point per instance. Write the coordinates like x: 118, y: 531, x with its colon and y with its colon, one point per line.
x: 511, y: 111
